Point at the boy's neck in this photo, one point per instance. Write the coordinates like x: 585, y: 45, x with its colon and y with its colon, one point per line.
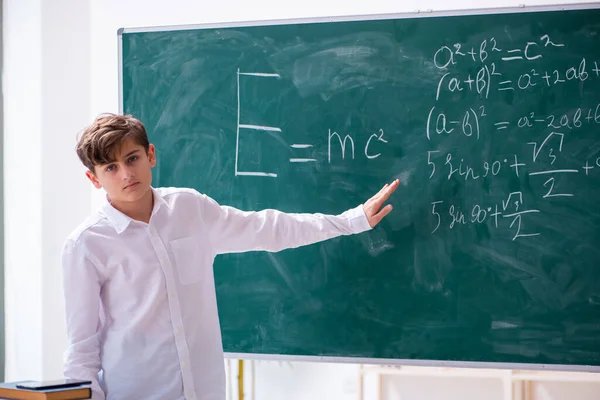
x: 140, y: 210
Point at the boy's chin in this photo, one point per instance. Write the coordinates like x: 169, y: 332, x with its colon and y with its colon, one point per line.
x: 131, y: 195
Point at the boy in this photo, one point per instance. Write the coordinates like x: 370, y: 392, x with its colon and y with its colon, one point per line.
x: 141, y: 309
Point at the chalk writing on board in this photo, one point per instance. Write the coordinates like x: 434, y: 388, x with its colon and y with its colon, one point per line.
x: 345, y: 150
x: 302, y: 160
x: 556, y: 137
x: 346, y: 142
x: 467, y: 124
x: 509, y: 209
x: 458, y: 168
x: 576, y: 120
x: 481, y: 82
x: 241, y: 128
x: 587, y: 167
x: 545, y: 135
x: 447, y: 56
x: 529, y: 52
x: 486, y: 77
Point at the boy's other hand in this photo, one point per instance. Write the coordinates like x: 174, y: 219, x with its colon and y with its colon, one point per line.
x: 372, y: 207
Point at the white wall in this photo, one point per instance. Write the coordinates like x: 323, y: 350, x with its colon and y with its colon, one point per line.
x: 47, y: 101
x: 60, y: 72
x: 23, y: 189
x: 303, y: 380
x: 400, y: 388
x: 274, y: 380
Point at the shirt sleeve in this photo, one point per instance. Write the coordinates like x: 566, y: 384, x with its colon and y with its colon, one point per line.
x: 234, y: 231
x: 82, y: 284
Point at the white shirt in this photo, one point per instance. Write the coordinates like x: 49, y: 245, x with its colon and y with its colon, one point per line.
x: 140, y: 298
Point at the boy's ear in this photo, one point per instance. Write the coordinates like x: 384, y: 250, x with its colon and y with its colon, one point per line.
x: 93, y: 178
x: 152, y: 155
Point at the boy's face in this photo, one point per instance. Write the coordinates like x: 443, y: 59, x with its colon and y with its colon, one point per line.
x: 129, y: 177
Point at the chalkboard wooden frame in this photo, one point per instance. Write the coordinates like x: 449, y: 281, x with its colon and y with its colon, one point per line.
x: 403, y: 15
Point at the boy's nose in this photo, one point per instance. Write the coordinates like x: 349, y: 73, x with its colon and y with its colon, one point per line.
x: 126, y: 173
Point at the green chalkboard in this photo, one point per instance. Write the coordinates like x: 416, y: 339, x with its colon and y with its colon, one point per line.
x: 490, y: 120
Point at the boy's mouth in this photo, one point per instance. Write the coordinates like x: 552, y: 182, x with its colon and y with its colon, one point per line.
x: 131, y: 186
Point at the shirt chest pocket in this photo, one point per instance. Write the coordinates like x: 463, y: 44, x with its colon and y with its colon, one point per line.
x: 192, y: 260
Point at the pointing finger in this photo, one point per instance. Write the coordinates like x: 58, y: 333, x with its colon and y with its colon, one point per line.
x: 385, y: 194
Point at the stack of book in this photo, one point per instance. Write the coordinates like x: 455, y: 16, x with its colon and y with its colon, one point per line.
x: 31, y: 390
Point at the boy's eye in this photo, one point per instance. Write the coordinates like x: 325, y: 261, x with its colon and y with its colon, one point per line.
x: 133, y: 158
x: 111, y: 167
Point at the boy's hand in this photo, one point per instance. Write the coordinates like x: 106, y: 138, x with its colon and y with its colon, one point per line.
x: 372, y: 207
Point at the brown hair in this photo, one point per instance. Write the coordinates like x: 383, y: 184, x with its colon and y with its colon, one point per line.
x: 99, y: 142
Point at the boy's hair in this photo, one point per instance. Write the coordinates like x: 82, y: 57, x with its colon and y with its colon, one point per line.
x: 99, y: 143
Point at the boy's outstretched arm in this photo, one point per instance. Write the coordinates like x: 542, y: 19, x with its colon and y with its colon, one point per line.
x: 82, y: 285
x: 232, y: 230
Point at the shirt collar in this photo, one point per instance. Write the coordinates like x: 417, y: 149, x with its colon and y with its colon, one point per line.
x: 120, y: 221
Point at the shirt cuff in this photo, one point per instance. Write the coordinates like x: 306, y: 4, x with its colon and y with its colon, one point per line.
x: 358, y: 220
